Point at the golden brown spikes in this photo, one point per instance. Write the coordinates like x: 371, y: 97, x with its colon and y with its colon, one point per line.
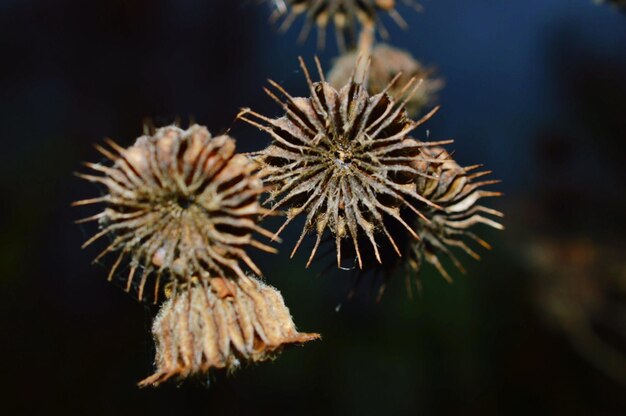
x: 345, y: 159
x: 457, y: 194
x: 219, y: 325
x: 179, y: 203
x: 449, y: 225
x: 345, y: 15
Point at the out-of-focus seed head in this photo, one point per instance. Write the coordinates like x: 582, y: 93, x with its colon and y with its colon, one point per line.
x: 345, y: 15
x: 178, y: 203
x: 388, y: 62
x: 219, y: 325
x: 345, y: 159
x: 457, y: 192
x: 578, y: 285
x: 616, y: 3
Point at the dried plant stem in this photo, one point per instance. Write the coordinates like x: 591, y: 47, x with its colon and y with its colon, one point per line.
x: 367, y: 37
x: 386, y: 63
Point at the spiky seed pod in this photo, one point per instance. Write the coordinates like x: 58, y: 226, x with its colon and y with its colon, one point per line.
x: 457, y: 192
x: 218, y: 325
x: 387, y: 62
x: 344, y: 158
x: 179, y: 203
x: 345, y: 15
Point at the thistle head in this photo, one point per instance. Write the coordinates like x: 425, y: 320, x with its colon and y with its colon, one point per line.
x: 343, y: 158
x: 345, y: 15
x: 220, y: 324
x: 178, y: 203
x: 458, y: 192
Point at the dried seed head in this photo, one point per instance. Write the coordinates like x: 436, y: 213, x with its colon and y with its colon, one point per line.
x: 346, y: 15
x: 388, y: 62
x: 218, y: 325
x: 616, y: 3
x: 179, y: 203
x: 457, y: 192
x: 344, y: 158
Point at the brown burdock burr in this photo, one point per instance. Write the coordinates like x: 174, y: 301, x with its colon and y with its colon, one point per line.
x: 388, y: 62
x: 219, y: 324
x: 346, y: 15
x: 457, y: 192
x: 178, y: 203
x: 345, y: 159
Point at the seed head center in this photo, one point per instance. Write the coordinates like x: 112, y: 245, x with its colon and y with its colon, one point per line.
x: 343, y: 158
x: 184, y: 201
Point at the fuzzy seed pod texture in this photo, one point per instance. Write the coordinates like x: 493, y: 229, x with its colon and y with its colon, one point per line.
x: 221, y: 324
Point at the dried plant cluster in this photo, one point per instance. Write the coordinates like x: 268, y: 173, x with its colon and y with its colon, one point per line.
x: 388, y: 62
x: 179, y: 203
x: 344, y: 158
x: 329, y: 160
x: 181, y: 208
x: 219, y: 325
x: 345, y: 15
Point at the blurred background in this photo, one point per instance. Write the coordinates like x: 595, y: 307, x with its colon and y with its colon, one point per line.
x: 535, y: 90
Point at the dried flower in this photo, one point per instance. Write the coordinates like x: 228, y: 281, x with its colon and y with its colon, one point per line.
x: 178, y: 203
x: 343, y: 157
x: 218, y: 325
x: 457, y: 192
x: 344, y: 14
x: 388, y: 62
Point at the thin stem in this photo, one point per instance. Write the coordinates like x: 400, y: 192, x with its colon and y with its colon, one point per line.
x: 367, y: 38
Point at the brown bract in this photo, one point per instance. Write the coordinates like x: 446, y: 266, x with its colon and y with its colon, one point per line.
x: 345, y: 15
x: 457, y: 192
x: 219, y: 325
x: 345, y: 159
x: 178, y: 203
